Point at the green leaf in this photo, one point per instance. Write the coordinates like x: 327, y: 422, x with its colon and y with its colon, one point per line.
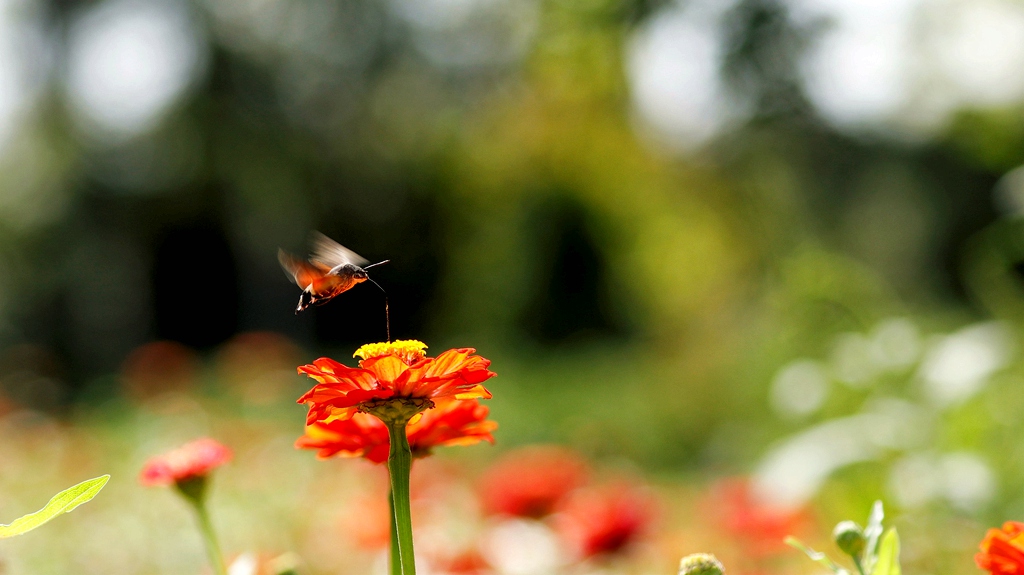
x: 872, y: 532
x: 888, y: 555
x: 817, y: 556
x: 63, y: 502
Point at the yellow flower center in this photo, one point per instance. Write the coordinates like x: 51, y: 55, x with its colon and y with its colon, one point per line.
x: 408, y: 350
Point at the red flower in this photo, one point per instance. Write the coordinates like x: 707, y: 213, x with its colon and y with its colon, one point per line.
x: 450, y: 422
x: 468, y: 562
x: 605, y: 520
x: 393, y: 370
x: 192, y: 460
x: 530, y: 482
x: 366, y: 520
x: 763, y: 527
x: 1002, y: 551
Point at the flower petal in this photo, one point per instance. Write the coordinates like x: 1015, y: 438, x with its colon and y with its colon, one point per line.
x: 386, y: 368
x: 361, y: 435
x: 332, y: 405
x: 454, y: 371
x: 454, y: 360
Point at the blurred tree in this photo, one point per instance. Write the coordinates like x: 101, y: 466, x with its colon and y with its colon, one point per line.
x: 492, y: 153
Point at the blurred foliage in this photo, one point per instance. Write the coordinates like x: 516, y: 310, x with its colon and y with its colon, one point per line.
x: 638, y: 301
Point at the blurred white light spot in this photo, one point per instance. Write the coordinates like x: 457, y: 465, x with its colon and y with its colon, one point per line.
x: 856, y: 76
x: 12, y: 94
x: 438, y: 13
x: 910, y: 64
x: 129, y: 61
x: 672, y: 64
x: 852, y: 360
x: 792, y: 473
x: 520, y: 547
x: 915, y: 480
x: 245, y: 564
x: 1009, y: 193
x: 961, y: 478
x: 858, y: 71
x: 958, y: 365
x: 980, y: 49
x: 799, y: 388
x: 969, y: 482
x: 898, y: 424
x: 895, y: 343
x: 24, y: 62
x: 470, y: 32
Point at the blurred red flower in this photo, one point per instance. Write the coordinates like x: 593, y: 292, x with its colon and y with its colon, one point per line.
x: 762, y: 527
x: 530, y: 482
x: 192, y: 460
x: 159, y: 368
x: 467, y: 562
x: 450, y: 422
x: 366, y: 520
x: 605, y: 520
x: 398, y: 369
x: 1002, y: 551
x: 255, y: 366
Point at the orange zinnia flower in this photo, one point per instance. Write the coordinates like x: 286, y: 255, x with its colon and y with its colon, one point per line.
x: 530, y: 482
x: 1002, y: 551
x: 190, y: 461
x: 391, y: 371
x: 450, y: 422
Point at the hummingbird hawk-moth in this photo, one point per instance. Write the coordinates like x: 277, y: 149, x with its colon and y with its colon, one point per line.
x: 332, y: 269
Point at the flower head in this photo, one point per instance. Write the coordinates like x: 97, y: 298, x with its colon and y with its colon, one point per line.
x: 1002, y: 551
x: 190, y: 461
x: 761, y: 525
x: 450, y: 422
x: 530, y: 482
x: 700, y: 564
x: 849, y: 538
x: 393, y: 380
x: 605, y: 520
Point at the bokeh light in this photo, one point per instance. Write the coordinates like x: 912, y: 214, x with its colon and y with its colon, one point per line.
x: 129, y: 61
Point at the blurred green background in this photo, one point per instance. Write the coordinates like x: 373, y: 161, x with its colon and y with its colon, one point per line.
x: 771, y: 238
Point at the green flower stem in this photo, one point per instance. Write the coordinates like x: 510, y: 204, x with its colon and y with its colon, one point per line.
x: 209, y: 538
x: 399, y: 465
x: 396, y: 558
x: 857, y: 563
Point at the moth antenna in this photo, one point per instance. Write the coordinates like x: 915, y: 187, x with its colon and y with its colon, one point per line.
x: 376, y: 264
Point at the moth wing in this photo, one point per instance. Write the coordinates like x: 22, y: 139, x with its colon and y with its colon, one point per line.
x: 303, y: 273
x: 332, y: 254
